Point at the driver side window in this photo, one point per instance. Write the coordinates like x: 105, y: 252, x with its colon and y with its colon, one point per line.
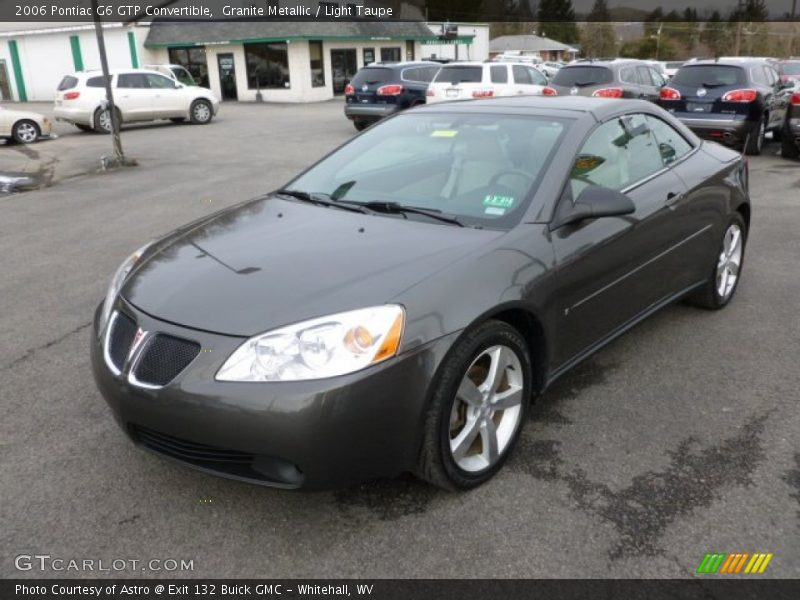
x: 617, y: 154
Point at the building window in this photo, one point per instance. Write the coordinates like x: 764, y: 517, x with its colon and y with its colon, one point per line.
x: 193, y: 60
x: 409, y: 50
x: 317, y: 66
x: 390, y: 54
x: 369, y: 56
x: 267, y: 65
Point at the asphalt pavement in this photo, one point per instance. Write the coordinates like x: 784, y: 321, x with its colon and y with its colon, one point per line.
x: 678, y: 439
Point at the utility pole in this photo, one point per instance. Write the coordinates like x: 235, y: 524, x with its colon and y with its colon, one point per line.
x: 119, y: 156
x: 737, y: 44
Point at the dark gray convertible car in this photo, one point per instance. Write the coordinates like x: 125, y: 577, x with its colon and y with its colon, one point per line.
x: 398, y: 305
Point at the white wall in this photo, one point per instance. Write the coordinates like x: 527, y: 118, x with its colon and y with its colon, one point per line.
x: 46, y: 56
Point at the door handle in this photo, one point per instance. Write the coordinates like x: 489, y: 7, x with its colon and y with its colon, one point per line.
x: 672, y: 199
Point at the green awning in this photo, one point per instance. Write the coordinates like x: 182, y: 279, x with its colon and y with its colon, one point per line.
x: 462, y: 40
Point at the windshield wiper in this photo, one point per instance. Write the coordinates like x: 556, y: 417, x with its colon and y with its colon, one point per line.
x: 318, y: 200
x: 402, y: 209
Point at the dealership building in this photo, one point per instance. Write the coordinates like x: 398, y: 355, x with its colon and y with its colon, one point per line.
x: 238, y: 60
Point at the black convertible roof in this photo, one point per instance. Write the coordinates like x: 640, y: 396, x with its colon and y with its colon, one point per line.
x: 548, y: 105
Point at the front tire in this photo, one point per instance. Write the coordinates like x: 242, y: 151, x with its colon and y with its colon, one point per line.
x: 25, y: 132
x: 726, y: 273
x: 479, y: 402
x: 360, y: 125
x: 201, y: 112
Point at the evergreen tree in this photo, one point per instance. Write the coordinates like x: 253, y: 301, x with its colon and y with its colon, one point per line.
x: 557, y: 20
x: 598, y: 38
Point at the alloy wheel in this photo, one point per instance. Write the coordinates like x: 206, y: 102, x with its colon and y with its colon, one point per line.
x: 730, y: 260
x: 27, y: 133
x: 104, y: 118
x: 487, y: 409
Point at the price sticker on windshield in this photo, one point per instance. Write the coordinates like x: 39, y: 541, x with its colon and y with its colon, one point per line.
x: 497, y: 205
x: 444, y: 133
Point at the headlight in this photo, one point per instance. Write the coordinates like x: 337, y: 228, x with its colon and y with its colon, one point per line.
x: 319, y: 348
x: 115, y: 286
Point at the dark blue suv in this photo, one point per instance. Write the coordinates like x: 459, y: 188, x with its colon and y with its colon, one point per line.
x: 734, y: 102
x: 382, y: 89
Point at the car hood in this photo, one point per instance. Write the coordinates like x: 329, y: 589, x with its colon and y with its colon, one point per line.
x: 274, y: 262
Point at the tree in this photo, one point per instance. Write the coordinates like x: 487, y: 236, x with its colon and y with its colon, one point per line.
x: 598, y: 38
x: 716, y: 34
x: 508, y: 17
x: 599, y: 12
x: 557, y: 20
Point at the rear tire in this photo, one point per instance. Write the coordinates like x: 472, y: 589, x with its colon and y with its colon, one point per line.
x: 360, y: 125
x: 789, y: 147
x: 474, y: 417
x: 201, y: 112
x: 755, y: 143
x: 102, y: 121
x: 719, y: 289
x: 25, y: 132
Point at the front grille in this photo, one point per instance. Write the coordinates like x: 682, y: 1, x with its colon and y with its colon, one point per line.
x: 192, y: 452
x: 123, y: 330
x: 163, y: 358
x: 229, y: 463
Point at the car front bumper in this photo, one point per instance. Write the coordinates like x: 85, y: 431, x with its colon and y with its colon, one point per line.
x: 306, y: 434
x: 369, y: 112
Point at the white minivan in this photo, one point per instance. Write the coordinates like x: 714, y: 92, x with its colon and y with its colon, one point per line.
x: 139, y: 95
x: 465, y: 80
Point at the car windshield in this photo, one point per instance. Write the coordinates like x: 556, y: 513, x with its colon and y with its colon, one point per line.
x: 709, y: 76
x: 373, y: 75
x: 459, y: 75
x: 583, y: 76
x: 481, y: 169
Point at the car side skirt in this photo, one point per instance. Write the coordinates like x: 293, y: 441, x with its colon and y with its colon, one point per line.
x: 579, y: 358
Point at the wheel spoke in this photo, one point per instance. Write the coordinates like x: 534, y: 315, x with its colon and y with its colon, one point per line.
x: 734, y: 244
x: 508, y: 399
x: 489, y: 438
x: 500, y: 360
x: 469, y: 392
x: 462, y: 442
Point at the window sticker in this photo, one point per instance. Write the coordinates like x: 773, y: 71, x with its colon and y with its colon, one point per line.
x: 444, y: 133
x: 494, y: 210
x: 498, y: 201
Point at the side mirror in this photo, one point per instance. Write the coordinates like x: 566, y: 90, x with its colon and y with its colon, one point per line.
x: 178, y: 85
x: 593, y: 202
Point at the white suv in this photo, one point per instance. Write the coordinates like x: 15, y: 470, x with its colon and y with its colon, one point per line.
x: 463, y: 80
x: 139, y: 95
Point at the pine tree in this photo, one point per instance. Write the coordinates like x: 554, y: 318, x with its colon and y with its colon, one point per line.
x: 557, y: 20
x: 598, y: 38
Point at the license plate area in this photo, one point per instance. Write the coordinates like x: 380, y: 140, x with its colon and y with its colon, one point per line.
x: 452, y: 92
x: 698, y: 107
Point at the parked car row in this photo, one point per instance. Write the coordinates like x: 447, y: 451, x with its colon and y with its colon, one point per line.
x: 382, y: 89
x: 734, y: 101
